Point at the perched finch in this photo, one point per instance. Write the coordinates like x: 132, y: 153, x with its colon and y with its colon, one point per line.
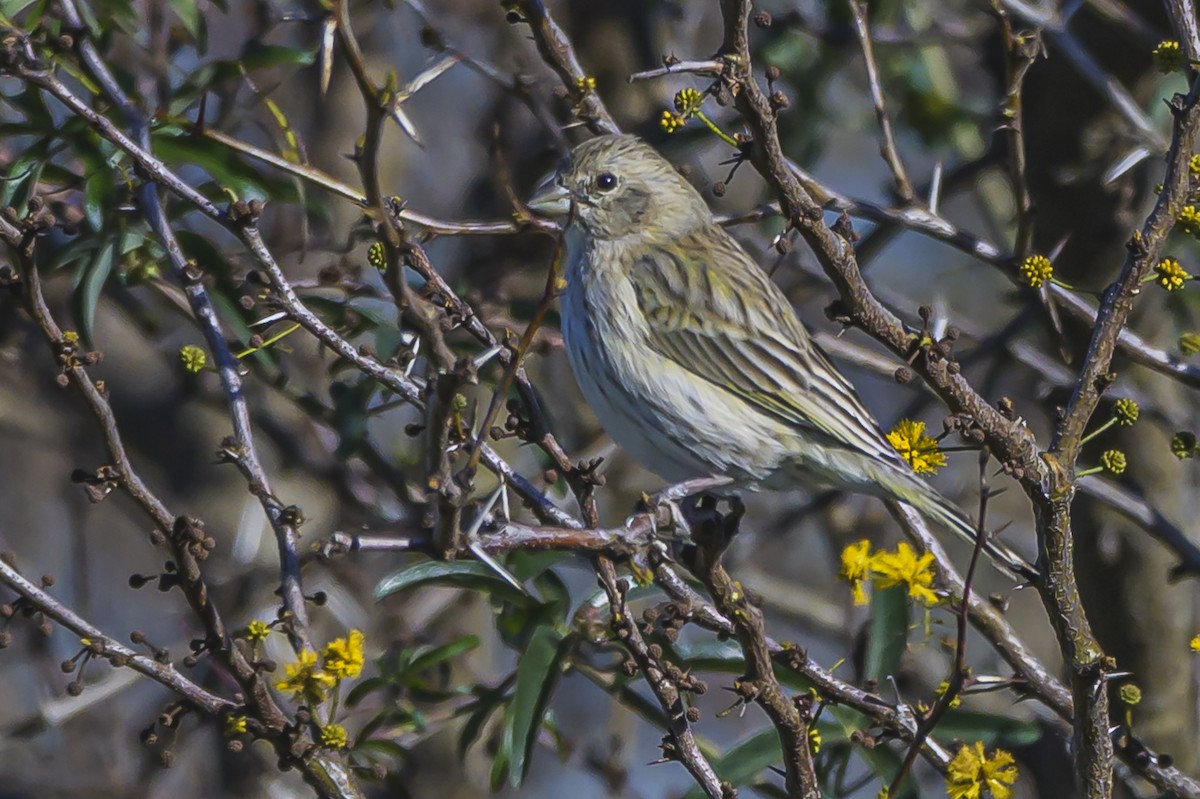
x: 693, y: 360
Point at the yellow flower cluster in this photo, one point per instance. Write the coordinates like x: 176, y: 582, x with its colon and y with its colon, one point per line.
x: 687, y: 105
x: 193, y: 358
x: 1193, y: 167
x: 1113, y: 460
x: 1125, y: 411
x: 235, y: 725
x: 344, y: 656
x: 1194, y: 644
x: 1189, y: 343
x: 376, y: 256
x: 1189, y: 220
x: 257, y: 631
x: 307, y: 681
x: 671, y: 121
x: 1184, y: 445
x: 1036, y: 270
x: 688, y: 102
x: 1171, y: 275
x: 972, y: 771
x: 1130, y: 694
x: 1168, y: 57
x: 921, y: 451
x: 585, y: 84
x: 902, y: 567
x: 333, y: 736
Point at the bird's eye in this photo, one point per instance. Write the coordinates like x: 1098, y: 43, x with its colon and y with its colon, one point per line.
x: 606, y: 181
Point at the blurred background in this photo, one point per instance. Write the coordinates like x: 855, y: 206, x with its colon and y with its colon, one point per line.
x: 333, y: 444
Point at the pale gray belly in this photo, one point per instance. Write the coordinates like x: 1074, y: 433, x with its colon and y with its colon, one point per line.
x: 673, y: 422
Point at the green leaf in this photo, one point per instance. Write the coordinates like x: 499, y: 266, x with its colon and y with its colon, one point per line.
x: 382, y: 746
x: 188, y: 12
x: 993, y: 730
x: 99, y: 191
x: 87, y: 291
x: 745, y: 760
x: 726, y: 656
x: 262, y: 56
x: 483, y: 707
x: 887, y: 635
x: 364, y: 688
x: 883, y: 761
x: 436, y: 655
x: 469, y: 574
x: 224, y: 166
x: 538, y: 671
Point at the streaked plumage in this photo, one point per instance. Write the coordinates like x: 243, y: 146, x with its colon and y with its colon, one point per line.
x: 693, y: 359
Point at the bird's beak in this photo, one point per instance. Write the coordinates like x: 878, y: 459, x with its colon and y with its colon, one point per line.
x: 551, y: 197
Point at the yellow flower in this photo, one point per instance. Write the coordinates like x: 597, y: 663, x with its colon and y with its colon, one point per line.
x: 70, y: 337
x: 1189, y: 343
x: 943, y: 687
x: 1126, y: 412
x: 1183, y: 445
x: 1130, y: 694
x: 688, y: 102
x: 1113, y: 460
x: 671, y: 121
x: 376, y: 255
x: 971, y: 771
x: 1168, y: 57
x: 234, y: 725
x: 333, y: 736
x: 1171, y: 276
x: 905, y: 567
x: 257, y: 631
x: 1036, y: 270
x: 1193, y: 167
x: 1189, y: 220
x: 856, y: 568
x: 814, y: 739
x: 1194, y: 644
x: 921, y: 451
x: 305, y: 681
x: 585, y: 84
x: 194, y: 359
x: 344, y: 656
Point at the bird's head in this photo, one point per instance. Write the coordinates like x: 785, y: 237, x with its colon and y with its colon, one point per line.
x: 619, y: 186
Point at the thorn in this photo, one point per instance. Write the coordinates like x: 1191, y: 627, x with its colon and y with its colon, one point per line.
x: 485, y: 356
x: 935, y: 188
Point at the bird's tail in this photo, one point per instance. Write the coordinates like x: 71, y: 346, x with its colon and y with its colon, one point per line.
x: 945, y: 513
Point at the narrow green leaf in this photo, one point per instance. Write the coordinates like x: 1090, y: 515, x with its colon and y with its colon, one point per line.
x: 487, y: 703
x: 188, y: 12
x: 363, y: 688
x: 887, y: 635
x: 745, y: 760
x: 993, y: 730
x: 442, y: 653
x: 87, y: 292
x: 469, y: 574
x: 883, y: 761
x: 538, y: 671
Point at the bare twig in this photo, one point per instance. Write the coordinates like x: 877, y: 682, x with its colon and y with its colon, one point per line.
x: 113, y: 650
x: 887, y: 147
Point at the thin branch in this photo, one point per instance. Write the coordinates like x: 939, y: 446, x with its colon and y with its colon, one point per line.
x: 558, y: 53
x: 891, y: 155
x: 205, y: 315
x: 110, y: 648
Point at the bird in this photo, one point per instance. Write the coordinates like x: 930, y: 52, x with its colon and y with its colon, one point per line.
x: 693, y: 360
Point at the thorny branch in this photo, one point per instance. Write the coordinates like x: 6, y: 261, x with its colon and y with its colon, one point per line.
x: 1046, y: 477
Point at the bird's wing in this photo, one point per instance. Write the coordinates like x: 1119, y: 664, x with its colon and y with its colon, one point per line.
x: 747, y: 340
